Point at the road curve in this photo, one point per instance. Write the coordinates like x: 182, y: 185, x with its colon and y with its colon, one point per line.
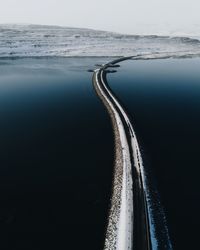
x: 128, y: 223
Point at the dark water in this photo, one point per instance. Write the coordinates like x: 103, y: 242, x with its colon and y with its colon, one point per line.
x: 56, y: 156
x: 163, y: 100
x: 56, y: 148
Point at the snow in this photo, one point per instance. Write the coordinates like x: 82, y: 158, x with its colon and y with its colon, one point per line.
x: 40, y: 41
x: 120, y: 224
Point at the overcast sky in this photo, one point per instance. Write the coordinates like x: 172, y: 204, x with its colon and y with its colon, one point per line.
x: 127, y: 16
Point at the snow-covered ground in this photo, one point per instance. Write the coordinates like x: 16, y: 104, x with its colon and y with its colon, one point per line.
x: 39, y: 40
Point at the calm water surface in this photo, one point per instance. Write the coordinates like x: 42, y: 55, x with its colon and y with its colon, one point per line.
x: 163, y: 99
x: 56, y: 148
x: 56, y: 156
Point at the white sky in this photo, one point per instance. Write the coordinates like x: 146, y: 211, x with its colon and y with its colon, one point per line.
x: 127, y: 16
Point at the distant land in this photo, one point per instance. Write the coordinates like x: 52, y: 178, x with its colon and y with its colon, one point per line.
x: 40, y: 40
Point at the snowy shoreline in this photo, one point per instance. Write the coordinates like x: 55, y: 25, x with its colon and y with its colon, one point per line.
x: 19, y: 41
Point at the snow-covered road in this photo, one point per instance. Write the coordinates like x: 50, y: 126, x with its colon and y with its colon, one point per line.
x: 128, y: 223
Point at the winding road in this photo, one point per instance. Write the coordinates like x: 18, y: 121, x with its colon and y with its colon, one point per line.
x: 129, y: 220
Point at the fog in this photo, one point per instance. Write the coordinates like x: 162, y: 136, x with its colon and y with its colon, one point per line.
x: 125, y: 16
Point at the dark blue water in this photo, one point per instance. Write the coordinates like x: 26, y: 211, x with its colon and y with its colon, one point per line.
x: 163, y: 99
x: 56, y: 148
x: 56, y: 156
